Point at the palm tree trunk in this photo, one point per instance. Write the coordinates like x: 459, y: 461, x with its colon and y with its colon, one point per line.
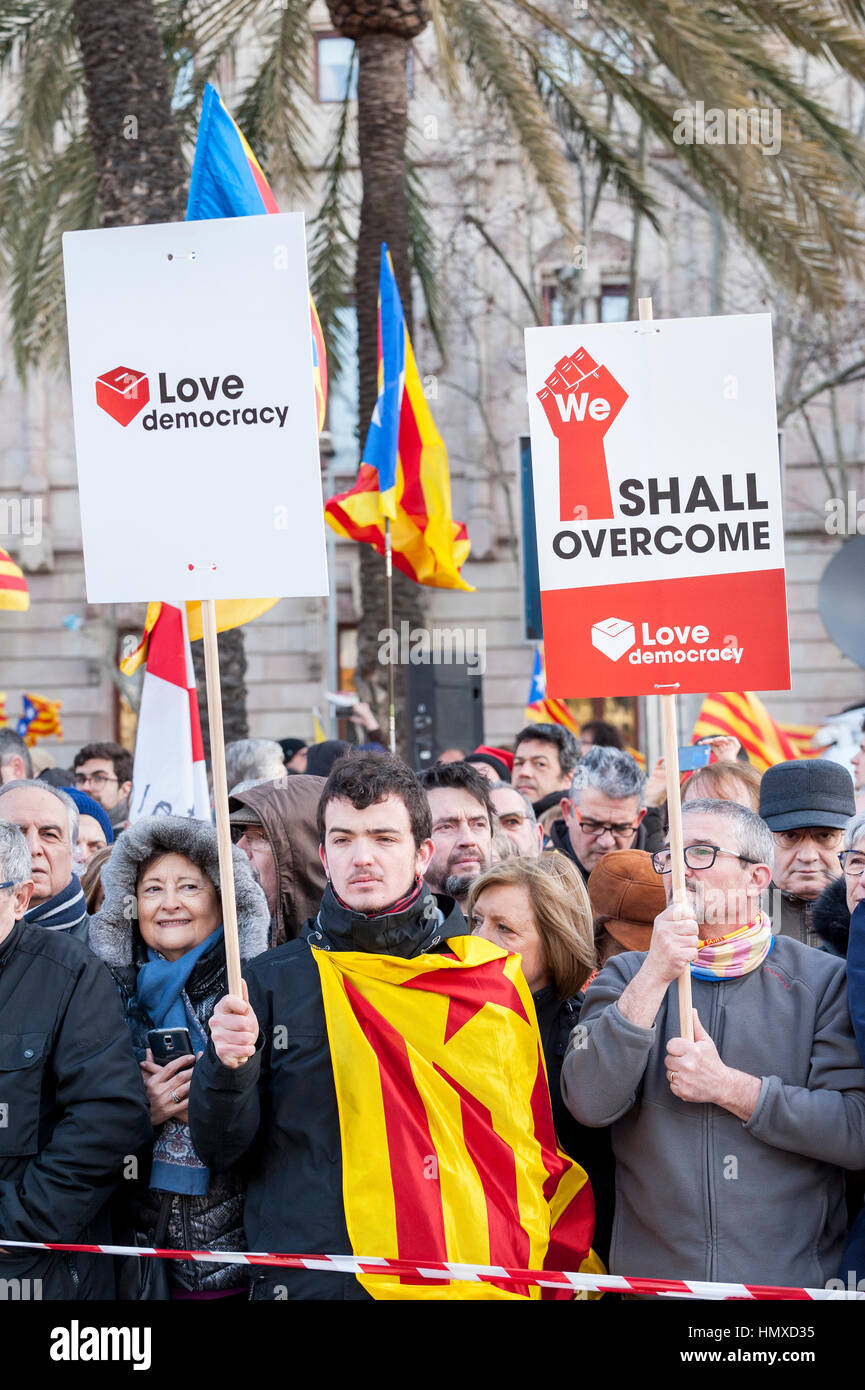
x: 382, y: 103
x: 142, y: 179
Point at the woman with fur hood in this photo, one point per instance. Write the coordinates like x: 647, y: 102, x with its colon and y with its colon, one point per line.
x: 160, y: 933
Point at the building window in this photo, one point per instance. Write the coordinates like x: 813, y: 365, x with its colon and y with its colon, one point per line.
x: 335, y: 68
x: 614, y: 304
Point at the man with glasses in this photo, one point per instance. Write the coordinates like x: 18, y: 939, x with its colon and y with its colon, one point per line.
x: 806, y: 804
x: 104, y: 771
x: 462, y: 827
x: 603, y: 811
x: 729, y: 1149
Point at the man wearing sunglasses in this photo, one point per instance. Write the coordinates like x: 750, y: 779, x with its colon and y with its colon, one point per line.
x: 603, y: 810
x: 729, y: 1149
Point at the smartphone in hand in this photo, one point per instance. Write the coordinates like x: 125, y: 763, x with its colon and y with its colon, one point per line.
x: 167, y: 1044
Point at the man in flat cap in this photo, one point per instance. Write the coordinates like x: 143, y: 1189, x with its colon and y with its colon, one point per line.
x: 806, y: 804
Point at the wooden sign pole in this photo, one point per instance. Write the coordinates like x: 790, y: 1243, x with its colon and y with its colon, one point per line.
x: 674, y: 810
x: 220, y: 794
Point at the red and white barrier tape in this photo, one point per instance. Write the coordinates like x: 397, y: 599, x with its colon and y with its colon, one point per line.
x: 438, y: 1272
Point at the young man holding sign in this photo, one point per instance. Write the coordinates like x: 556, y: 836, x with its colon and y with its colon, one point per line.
x: 729, y: 1149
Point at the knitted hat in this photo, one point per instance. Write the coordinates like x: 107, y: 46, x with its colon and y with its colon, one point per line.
x: 625, y: 888
x: 494, y: 758
x: 88, y: 807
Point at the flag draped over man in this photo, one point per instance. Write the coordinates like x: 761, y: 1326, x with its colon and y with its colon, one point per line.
x: 403, y: 477
x: 456, y: 1159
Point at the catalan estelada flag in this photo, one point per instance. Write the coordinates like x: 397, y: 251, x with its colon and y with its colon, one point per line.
x: 766, y: 742
x: 540, y: 708
x: 448, y: 1146
x: 40, y: 719
x: 14, y: 594
x: 227, y: 181
x: 403, y: 474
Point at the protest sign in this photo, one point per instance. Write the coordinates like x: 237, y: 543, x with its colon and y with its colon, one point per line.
x: 196, y: 431
x: 194, y: 404
x: 658, y: 505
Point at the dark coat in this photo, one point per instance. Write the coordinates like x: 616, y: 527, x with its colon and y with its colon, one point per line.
x: 830, y: 916
x: 279, y: 1111
x: 76, y: 1108
x: 591, y: 1148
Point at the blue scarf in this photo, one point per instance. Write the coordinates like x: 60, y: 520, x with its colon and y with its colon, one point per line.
x: 62, y: 912
x: 176, y: 1166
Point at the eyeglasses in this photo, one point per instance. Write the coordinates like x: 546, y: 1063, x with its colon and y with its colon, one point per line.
x: 10, y: 883
x: 696, y: 857
x: 98, y: 779
x: 852, y: 862
x: 826, y: 839
x: 594, y: 828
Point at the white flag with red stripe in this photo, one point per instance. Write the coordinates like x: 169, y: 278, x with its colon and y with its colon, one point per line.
x: 169, y: 775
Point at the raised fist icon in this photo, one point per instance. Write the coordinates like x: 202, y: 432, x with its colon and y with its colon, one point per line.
x: 581, y: 400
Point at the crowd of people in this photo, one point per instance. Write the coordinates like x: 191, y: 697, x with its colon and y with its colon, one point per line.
x: 141, y: 1103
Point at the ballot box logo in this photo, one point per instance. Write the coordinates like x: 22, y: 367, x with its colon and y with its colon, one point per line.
x: 613, y: 637
x: 122, y: 393
x: 581, y: 400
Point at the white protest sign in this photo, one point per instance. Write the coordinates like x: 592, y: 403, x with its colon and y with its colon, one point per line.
x: 658, y: 506
x: 195, y: 430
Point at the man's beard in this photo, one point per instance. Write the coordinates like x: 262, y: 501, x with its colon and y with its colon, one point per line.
x: 457, y: 885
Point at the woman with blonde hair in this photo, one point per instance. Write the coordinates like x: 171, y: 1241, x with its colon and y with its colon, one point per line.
x: 540, y: 909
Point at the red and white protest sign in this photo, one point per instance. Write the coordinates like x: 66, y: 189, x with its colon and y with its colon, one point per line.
x: 658, y: 506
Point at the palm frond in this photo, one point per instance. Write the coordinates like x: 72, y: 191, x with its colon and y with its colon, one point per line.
x: 331, y: 246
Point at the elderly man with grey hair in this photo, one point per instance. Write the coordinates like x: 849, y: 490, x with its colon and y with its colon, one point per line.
x: 48, y: 820
x: 72, y: 1102
x: 604, y: 810
x: 730, y: 1149
x: 252, y: 760
x: 15, y: 760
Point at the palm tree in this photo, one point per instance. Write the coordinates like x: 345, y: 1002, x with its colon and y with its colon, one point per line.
x: 535, y: 64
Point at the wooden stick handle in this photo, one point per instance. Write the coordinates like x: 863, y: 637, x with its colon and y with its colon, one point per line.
x: 674, y: 806
x: 674, y: 812
x: 220, y: 794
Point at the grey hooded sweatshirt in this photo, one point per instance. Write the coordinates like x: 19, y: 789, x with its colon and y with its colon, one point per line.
x: 699, y: 1194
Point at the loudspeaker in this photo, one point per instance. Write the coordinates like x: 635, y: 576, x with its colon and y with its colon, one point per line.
x: 446, y: 709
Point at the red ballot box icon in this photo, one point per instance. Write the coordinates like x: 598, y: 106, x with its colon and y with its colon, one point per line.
x: 122, y: 392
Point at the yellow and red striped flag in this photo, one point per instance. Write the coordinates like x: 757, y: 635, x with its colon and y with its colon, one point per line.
x: 404, y: 473
x: 14, y: 594
x: 40, y: 719
x: 448, y: 1147
x: 766, y: 742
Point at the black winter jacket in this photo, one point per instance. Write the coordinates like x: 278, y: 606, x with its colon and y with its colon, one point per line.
x: 214, y: 1220
x: 279, y: 1112
x: 72, y: 1108
x: 591, y: 1148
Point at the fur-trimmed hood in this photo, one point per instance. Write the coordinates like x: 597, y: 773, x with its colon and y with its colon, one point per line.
x: 114, y: 928
x: 831, y: 917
